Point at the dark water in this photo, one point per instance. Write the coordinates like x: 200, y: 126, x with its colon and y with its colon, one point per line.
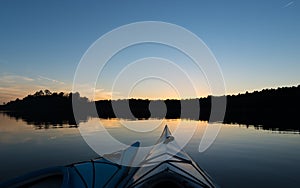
x: 239, y: 157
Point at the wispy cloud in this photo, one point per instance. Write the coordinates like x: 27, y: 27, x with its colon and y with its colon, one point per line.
x: 12, y: 92
x: 14, y: 86
x: 288, y: 4
x: 50, y: 79
x: 11, y: 78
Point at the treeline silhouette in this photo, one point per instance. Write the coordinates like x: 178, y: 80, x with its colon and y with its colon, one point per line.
x: 275, y: 109
x: 45, y: 109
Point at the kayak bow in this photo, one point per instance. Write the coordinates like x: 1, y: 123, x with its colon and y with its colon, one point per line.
x: 167, y: 165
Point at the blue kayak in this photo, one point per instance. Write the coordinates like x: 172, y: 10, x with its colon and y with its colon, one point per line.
x: 164, y: 166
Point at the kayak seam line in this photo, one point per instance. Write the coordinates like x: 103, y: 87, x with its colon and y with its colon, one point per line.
x: 94, y: 178
x: 144, y: 174
x: 202, y: 172
x: 81, y: 177
x: 196, y: 179
x: 111, y: 177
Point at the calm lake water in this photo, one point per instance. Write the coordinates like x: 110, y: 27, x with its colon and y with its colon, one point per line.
x: 240, y: 156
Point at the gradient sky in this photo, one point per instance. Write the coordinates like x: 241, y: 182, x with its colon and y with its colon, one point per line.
x: 256, y: 43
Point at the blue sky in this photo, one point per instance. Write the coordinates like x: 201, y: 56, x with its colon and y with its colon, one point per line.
x: 41, y: 42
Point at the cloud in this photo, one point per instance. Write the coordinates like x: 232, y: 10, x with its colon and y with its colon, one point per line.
x: 288, y: 4
x: 11, y: 78
x: 15, y: 86
x: 50, y: 79
x: 13, y: 92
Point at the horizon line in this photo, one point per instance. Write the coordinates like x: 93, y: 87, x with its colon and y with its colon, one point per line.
x: 160, y: 99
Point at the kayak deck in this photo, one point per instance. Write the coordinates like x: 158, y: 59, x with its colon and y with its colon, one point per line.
x: 99, y: 172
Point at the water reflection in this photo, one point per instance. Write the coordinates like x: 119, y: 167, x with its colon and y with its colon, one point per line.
x: 45, y: 121
x: 59, y: 120
x: 239, y: 152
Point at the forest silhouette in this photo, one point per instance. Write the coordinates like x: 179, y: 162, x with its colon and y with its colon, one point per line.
x: 275, y: 109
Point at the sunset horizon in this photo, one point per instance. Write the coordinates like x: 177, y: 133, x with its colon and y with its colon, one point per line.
x: 133, y: 94
x: 252, y: 53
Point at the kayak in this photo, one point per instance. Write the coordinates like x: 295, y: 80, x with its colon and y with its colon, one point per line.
x: 165, y: 165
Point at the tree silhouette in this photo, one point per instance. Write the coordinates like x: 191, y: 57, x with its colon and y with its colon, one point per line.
x: 47, y: 92
x: 269, y: 108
